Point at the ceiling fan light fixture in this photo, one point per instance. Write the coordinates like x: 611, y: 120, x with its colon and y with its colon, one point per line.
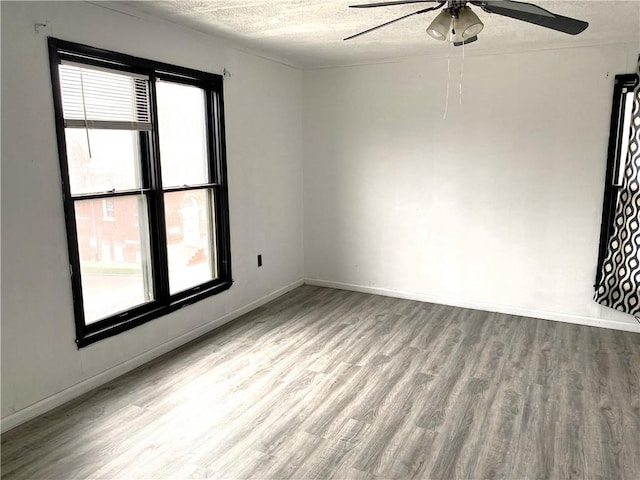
x: 440, y: 27
x: 455, y: 26
x: 468, y: 24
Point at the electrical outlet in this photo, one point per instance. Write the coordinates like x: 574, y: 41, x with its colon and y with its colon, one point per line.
x: 260, y: 260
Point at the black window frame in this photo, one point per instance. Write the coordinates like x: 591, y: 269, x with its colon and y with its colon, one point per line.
x: 163, y: 302
x: 622, y: 85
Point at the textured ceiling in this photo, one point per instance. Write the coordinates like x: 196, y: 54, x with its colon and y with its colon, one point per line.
x: 309, y: 33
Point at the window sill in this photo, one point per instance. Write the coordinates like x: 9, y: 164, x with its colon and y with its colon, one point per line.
x: 96, y: 332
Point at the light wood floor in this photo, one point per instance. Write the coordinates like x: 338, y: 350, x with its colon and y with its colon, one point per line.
x: 331, y: 384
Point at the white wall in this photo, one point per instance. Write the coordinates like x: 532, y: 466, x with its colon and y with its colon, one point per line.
x: 40, y: 362
x: 495, y: 207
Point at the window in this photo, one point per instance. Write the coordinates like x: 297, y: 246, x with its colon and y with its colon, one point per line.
x: 142, y: 157
x: 616, y: 156
x: 108, y: 212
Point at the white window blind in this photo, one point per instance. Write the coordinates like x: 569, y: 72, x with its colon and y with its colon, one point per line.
x: 94, y: 97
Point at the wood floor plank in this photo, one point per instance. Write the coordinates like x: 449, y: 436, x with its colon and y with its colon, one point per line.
x: 569, y: 443
x: 337, y: 451
x: 487, y: 372
x: 460, y: 451
x: 323, y: 383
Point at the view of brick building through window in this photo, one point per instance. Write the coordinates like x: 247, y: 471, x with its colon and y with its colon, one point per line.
x: 113, y: 255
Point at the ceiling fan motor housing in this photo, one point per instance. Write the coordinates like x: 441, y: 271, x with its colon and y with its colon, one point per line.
x: 454, y: 6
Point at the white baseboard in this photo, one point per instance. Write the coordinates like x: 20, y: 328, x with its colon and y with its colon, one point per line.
x: 87, y: 385
x: 489, y: 307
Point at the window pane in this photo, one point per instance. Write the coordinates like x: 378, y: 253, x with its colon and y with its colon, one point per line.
x: 190, y: 238
x: 182, y: 128
x: 114, y: 162
x: 627, y: 101
x: 114, y: 255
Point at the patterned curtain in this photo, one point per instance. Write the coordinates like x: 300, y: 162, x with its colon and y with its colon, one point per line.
x: 619, y: 286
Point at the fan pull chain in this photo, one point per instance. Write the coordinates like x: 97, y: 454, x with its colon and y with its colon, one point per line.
x: 461, y: 75
x: 446, y: 103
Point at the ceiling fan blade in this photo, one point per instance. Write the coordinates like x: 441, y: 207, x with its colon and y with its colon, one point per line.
x: 514, y: 6
x: 382, y: 25
x: 506, y: 8
x: 396, y: 20
x: 387, y: 4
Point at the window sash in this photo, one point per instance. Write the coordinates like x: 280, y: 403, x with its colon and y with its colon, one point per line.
x: 96, y: 230
x: 195, y: 213
x: 96, y: 169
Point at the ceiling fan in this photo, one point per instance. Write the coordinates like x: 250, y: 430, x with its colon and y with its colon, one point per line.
x: 459, y: 25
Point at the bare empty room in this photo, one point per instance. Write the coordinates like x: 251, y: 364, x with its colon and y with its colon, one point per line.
x: 297, y: 239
